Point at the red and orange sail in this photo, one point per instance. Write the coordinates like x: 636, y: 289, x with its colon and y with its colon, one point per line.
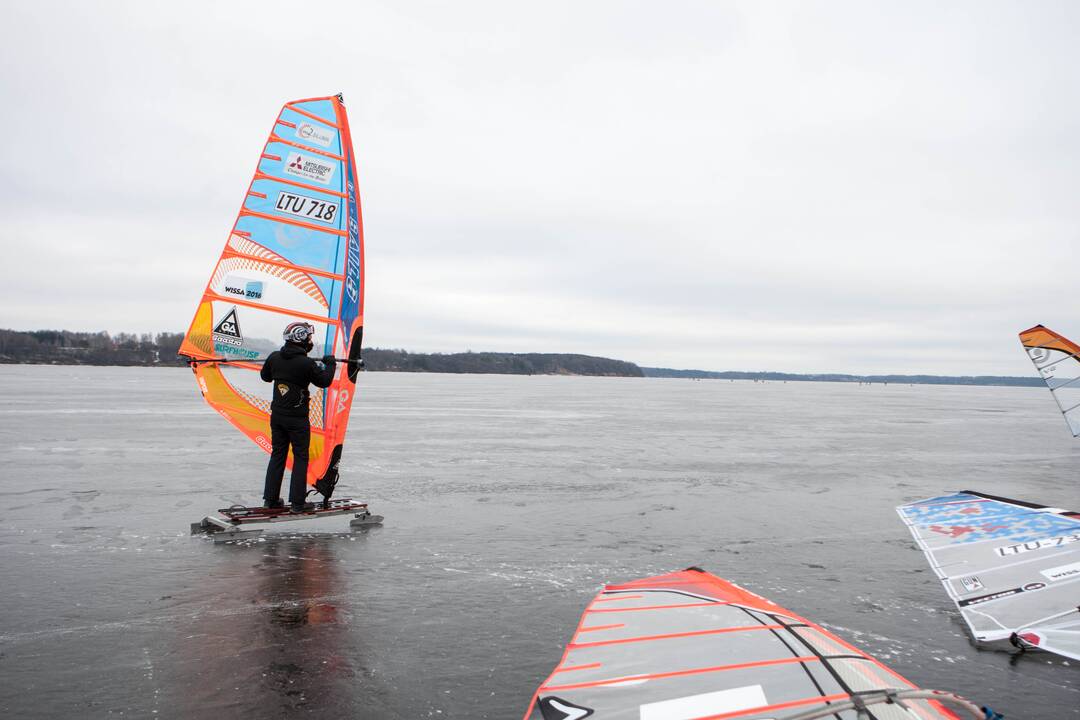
x: 295, y: 252
x: 691, y: 646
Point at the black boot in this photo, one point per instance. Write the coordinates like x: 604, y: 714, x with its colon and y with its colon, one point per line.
x: 273, y: 504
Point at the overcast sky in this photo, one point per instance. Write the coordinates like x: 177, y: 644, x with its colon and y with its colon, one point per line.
x: 816, y: 186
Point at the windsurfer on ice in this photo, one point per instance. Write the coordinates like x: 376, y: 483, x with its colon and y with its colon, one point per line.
x: 291, y: 371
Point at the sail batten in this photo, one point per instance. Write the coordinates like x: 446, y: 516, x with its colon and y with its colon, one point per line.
x: 283, y: 141
x: 285, y: 265
x: 289, y: 312
x: 312, y: 116
x: 287, y: 221
x: 295, y: 183
x: 295, y: 252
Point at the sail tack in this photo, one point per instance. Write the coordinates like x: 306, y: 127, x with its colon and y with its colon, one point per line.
x: 1058, y: 361
x: 295, y: 252
x: 691, y: 645
x: 1012, y: 567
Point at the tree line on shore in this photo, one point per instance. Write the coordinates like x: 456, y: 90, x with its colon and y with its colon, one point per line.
x: 63, y: 347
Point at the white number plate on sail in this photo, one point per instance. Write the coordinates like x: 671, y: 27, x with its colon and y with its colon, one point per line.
x: 1007, y: 550
x: 307, y: 207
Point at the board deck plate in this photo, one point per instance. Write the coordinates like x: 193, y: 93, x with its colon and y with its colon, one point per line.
x: 247, y: 515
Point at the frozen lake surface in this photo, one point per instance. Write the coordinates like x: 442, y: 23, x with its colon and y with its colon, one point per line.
x: 508, y: 502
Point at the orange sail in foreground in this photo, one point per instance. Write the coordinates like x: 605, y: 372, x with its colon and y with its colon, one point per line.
x: 1058, y: 361
x: 295, y: 252
x: 691, y: 646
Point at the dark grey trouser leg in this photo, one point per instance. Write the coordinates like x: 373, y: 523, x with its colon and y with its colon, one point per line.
x: 275, y: 469
x: 300, y: 436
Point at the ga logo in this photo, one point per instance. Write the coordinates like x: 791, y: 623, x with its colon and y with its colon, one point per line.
x: 342, y: 398
x: 228, y: 330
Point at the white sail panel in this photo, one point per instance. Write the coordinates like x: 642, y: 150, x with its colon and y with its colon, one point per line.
x: 1012, y: 567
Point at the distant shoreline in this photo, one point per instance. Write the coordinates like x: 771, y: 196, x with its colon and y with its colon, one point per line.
x: 980, y: 380
x: 62, y: 347
x: 649, y: 373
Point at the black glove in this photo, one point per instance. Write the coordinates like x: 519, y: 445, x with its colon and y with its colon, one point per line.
x: 329, y: 359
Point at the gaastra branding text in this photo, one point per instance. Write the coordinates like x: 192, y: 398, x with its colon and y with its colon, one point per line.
x: 315, y: 134
x: 309, y: 167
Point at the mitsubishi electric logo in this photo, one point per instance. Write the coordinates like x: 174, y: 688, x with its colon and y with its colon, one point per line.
x: 310, y: 167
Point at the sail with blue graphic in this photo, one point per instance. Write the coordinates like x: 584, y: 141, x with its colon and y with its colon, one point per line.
x: 1012, y: 567
x: 295, y: 252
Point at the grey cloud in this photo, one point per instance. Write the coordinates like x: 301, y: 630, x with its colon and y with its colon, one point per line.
x: 859, y: 187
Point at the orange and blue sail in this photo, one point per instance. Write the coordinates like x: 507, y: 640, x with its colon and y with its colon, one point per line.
x: 295, y: 252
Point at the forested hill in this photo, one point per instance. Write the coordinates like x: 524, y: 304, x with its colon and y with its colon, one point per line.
x: 62, y: 347
x: 836, y: 377
x: 498, y: 363
x: 76, y: 348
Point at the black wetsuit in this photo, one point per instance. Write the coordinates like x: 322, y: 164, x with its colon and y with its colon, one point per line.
x: 291, y: 371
